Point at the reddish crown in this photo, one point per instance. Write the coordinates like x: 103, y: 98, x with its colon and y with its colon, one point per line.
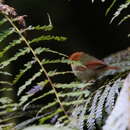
x: 76, y: 56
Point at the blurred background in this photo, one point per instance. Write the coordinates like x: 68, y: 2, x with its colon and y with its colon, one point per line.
x: 83, y: 23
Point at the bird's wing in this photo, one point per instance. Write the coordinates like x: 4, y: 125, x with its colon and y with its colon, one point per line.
x: 99, y: 65
x: 96, y: 65
x: 81, y: 68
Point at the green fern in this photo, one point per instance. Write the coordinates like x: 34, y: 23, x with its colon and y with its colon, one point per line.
x: 74, y: 104
x: 27, y: 89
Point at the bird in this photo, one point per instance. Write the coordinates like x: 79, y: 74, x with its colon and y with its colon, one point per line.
x: 91, y: 67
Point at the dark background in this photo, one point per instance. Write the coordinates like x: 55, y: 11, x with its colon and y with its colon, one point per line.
x: 82, y: 22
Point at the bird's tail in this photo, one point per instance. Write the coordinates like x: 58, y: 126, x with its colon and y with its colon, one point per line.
x: 113, y: 67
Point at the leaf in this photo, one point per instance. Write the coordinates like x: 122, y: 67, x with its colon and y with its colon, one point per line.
x: 47, y: 127
x: 91, y: 118
x: 5, y: 100
x: 114, y: 91
x: 5, y: 34
x: 48, y: 38
x: 15, y: 57
x: 34, y: 99
x: 118, y: 12
x: 28, y: 82
x: 11, y: 44
x: 100, y: 105
x: 110, y: 7
x: 27, y: 66
x: 5, y: 73
x: 122, y: 20
x: 119, y: 119
x: 27, y: 122
x: 43, y: 28
x: 2, y: 21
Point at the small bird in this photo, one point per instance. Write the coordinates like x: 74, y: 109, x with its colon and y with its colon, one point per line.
x: 90, y: 68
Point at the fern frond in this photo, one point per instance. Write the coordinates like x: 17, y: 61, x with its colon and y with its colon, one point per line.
x: 91, y: 118
x: 5, y: 73
x: 48, y: 127
x: 41, y: 49
x: 110, y: 7
x: 73, y: 94
x: 44, y: 61
x: 27, y: 66
x: 47, y: 38
x: 119, y: 117
x: 75, y: 102
x: 100, y: 105
x: 27, y: 122
x: 28, y: 82
x: 55, y: 52
x: 50, y: 105
x: 23, y: 99
x: 5, y: 100
x: 43, y: 28
x: 6, y: 89
x: 120, y: 9
x: 74, y: 85
x: 61, y: 119
x: 124, y: 19
x: 79, y: 116
x: 6, y: 83
x: 35, y: 99
x: 2, y: 21
x: 7, y: 126
x: 58, y: 111
x: 110, y: 101
x: 7, y: 106
x: 6, y: 33
x: 11, y: 44
x: 55, y: 73
x: 15, y: 57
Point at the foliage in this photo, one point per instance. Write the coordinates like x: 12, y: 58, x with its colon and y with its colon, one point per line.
x: 33, y: 77
x: 121, y: 110
x: 47, y: 127
x: 33, y: 92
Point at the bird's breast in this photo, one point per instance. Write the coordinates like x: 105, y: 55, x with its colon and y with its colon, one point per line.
x: 84, y: 75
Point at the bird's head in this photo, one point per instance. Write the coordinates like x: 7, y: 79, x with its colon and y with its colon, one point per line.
x: 76, y: 56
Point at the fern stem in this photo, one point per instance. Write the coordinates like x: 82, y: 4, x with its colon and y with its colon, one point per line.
x: 39, y: 62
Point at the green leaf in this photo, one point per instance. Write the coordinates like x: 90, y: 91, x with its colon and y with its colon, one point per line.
x: 48, y: 38
x: 2, y: 21
x: 9, y: 46
x: 27, y: 66
x: 28, y: 82
x: 44, y: 28
x: 48, y: 127
x: 5, y: 100
x: 22, y: 52
x: 5, y: 34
